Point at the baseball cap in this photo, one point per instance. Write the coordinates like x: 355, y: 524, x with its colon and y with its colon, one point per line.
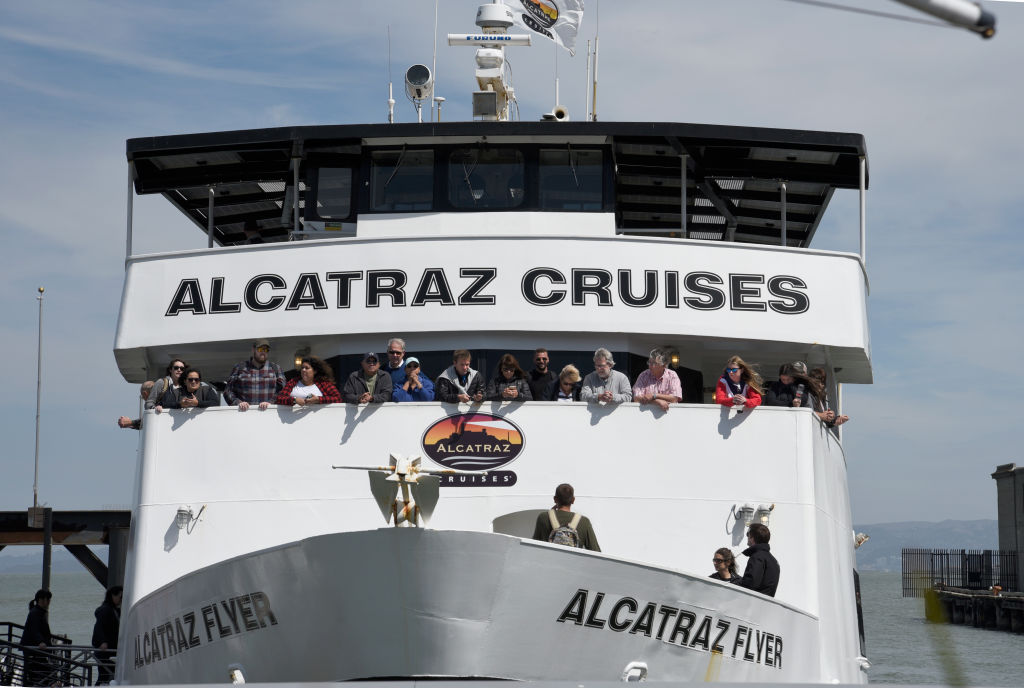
x: 367, y: 356
x: 262, y: 342
x: 412, y: 359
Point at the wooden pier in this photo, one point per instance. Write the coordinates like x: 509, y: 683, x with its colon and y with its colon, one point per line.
x: 982, y: 609
x: 75, y: 530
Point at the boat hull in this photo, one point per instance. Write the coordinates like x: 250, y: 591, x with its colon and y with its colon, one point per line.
x: 417, y: 603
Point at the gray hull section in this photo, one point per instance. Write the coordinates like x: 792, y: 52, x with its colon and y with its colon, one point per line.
x: 405, y: 602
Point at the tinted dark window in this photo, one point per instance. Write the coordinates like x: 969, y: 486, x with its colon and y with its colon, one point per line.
x: 334, y: 192
x: 486, y: 178
x: 402, y: 180
x: 570, y: 179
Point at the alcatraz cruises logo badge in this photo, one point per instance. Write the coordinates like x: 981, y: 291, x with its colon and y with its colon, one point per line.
x: 474, y: 442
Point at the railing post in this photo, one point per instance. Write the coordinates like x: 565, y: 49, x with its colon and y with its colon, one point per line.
x: 209, y: 219
x: 782, y: 189
x: 682, y: 195
x: 131, y: 209
x: 863, y: 210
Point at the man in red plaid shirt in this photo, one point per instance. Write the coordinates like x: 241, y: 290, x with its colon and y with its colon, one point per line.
x: 256, y: 381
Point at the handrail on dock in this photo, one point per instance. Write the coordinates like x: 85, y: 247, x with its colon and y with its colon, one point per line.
x: 66, y: 664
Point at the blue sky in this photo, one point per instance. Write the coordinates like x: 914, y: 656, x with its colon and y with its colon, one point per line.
x: 940, y: 108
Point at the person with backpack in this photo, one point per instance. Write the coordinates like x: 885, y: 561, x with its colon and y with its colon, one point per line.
x: 561, y: 526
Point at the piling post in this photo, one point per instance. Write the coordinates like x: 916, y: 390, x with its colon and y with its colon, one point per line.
x: 47, y: 546
x: 117, y: 554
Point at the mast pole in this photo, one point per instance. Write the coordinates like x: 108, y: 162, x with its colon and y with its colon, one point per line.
x: 593, y: 88
x: 586, y: 100
x: 433, y: 68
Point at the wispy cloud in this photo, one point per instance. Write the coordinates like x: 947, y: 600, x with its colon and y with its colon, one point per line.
x: 134, y: 59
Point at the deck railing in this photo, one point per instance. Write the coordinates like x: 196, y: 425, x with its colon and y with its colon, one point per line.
x: 971, y: 569
x: 65, y: 664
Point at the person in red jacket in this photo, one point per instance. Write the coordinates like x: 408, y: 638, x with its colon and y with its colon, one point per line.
x: 314, y: 385
x: 740, y: 385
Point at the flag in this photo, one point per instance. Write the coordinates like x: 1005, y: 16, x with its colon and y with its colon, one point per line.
x: 558, y: 20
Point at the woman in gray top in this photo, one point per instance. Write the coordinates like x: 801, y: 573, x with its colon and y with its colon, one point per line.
x: 509, y: 382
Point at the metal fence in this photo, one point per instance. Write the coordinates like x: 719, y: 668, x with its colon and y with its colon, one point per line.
x: 62, y: 664
x: 972, y: 569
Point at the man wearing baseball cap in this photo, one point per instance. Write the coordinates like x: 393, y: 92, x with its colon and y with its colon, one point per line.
x: 255, y: 381
x: 369, y: 385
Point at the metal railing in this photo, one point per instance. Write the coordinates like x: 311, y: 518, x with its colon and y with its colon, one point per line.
x: 62, y: 664
x: 970, y: 569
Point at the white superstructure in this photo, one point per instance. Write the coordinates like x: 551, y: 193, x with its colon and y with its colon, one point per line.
x: 249, y: 553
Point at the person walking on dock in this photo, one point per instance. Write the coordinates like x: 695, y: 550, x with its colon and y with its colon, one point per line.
x: 36, y: 639
x: 104, y: 633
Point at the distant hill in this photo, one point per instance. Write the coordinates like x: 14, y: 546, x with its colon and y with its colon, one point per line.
x: 882, y: 551
x: 24, y: 559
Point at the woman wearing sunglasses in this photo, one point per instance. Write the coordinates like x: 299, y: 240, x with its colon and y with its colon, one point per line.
x: 171, y: 380
x: 725, y: 565
x: 509, y: 383
x: 740, y: 385
x: 193, y: 393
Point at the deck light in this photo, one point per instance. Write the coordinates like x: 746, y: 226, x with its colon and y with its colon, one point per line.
x: 764, y: 513
x: 301, y: 354
x: 183, y: 517
x: 745, y: 513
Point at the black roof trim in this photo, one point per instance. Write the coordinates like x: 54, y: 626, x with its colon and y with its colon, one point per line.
x: 733, y: 172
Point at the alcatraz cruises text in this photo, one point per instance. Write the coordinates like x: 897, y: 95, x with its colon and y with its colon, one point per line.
x: 539, y: 286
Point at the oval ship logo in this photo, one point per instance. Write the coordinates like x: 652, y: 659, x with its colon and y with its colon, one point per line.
x: 544, y: 13
x: 473, y: 441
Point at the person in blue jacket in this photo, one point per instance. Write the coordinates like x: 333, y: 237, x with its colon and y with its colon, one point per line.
x: 415, y: 386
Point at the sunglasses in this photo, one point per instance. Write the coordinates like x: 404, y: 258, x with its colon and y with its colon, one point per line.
x: 193, y: 379
x: 395, y: 353
x: 718, y: 561
x: 177, y: 367
x: 732, y: 370
x: 263, y: 349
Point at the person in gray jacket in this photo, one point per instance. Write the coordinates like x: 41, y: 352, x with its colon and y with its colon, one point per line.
x: 370, y: 385
x: 459, y: 382
x: 604, y: 385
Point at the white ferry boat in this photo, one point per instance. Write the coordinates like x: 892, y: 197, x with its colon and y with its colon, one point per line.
x: 251, y: 557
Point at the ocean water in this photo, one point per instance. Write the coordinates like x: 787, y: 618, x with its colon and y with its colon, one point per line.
x: 903, y: 648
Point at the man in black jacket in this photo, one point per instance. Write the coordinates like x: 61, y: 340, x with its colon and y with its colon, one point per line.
x: 541, y: 376
x: 762, y: 571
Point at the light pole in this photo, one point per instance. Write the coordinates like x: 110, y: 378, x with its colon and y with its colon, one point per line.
x: 39, y: 380
x: 37, y: 514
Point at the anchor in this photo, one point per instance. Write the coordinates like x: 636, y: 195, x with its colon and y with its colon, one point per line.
x: 420, y: 489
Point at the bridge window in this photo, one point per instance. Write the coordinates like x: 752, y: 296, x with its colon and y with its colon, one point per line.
x: 334, y: 193
x: 570, y: 179
x: 486, y: 178
x: 402, y: 180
